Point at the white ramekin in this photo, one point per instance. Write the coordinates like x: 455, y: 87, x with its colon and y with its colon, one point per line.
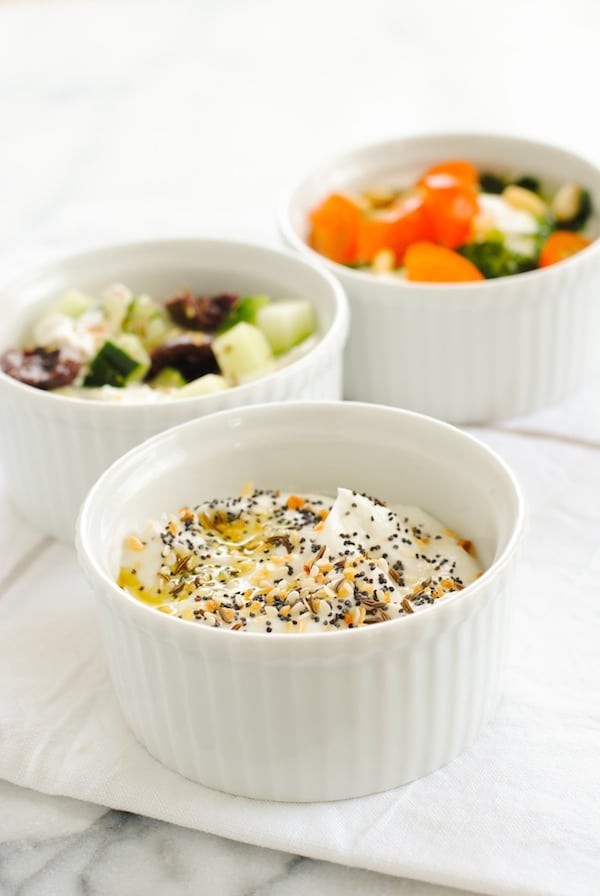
x: 319, y: 716
x: 53, y: 447
x: 466, y: 353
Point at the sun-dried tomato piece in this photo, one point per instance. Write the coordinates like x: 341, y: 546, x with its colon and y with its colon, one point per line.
x: 200, y: 312
x: 40, y: 367
x: 190, y: 355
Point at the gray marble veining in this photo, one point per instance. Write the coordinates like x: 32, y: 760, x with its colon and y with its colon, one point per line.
x: 52, y: 846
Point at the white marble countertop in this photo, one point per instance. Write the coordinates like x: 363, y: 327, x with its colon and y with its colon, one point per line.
x: 132, y: 118
x: 53, y: 846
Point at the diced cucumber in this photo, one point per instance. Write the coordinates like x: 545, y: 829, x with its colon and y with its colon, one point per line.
x: 241, y: 351
x: 132, y: 346
x: 115, y: 302
x: 158, y: 330
x: 110, y: 367
x: 286, y: 323
x: 245, y: 309
x: 148, y: 320
x: 73, y: 303
x: 168, y: 378
x: 118, y: 363
x: 204, y: 385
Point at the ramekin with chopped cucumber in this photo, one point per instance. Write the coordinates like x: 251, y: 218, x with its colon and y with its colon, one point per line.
x: 120, y: 345
x: 278, y: 335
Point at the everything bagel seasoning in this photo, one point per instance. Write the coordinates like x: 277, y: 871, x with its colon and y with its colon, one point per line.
x: 270, y: 561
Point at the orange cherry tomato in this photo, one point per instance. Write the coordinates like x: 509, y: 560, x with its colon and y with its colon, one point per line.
x: 335, y: 228
x: 560, y: 245
x: 451, y: 206
x: 428, y: 263
x: 459, y: 170
x: 393, y: 228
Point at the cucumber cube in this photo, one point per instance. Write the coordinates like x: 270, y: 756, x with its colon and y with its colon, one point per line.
x: 286, y: 324
x: 132, y: 346
x: 111, y: 367
x: 148, y: 320
x: 73, y: 303
x: 204, y: 385
x: 168, y: 378
x: 115, y: 302
x: 242, y: 351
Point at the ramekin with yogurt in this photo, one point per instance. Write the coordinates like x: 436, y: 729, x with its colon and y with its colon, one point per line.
x: 328, y: 714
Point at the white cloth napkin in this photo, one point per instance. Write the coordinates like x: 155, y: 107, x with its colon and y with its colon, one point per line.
x: 519, y: 813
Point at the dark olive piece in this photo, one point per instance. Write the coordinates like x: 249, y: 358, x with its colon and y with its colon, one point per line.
x: 191, y: 355
x: 40, y: 367
x: 200, y: 312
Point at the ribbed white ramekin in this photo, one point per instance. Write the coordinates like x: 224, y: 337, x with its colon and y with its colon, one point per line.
x: 473, y: 352
x: 320, y: 716
x: 53, y: 447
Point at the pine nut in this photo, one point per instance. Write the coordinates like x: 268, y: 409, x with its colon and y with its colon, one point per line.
x: 384, y: 261
x: 525, y: 200
x: 567, y: 202
x: 380, y: 198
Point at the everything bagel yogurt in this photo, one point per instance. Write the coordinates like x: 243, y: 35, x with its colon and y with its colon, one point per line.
x: 270, y: 561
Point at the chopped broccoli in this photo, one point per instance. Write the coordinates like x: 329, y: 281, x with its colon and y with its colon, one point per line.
x: 494, y: 183
x: 528, y: 183
x: 494, y: 259
x: 491, y: 183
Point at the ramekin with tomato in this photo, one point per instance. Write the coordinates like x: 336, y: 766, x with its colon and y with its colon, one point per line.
x: 454, y: 223
x: 445, y: 331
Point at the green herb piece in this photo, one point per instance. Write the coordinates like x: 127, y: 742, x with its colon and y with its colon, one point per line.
x: 244, y: 310
x: 546, y: 226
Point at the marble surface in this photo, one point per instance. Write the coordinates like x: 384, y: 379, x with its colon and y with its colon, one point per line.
x: 54, y: 845
x: 133, y: 118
